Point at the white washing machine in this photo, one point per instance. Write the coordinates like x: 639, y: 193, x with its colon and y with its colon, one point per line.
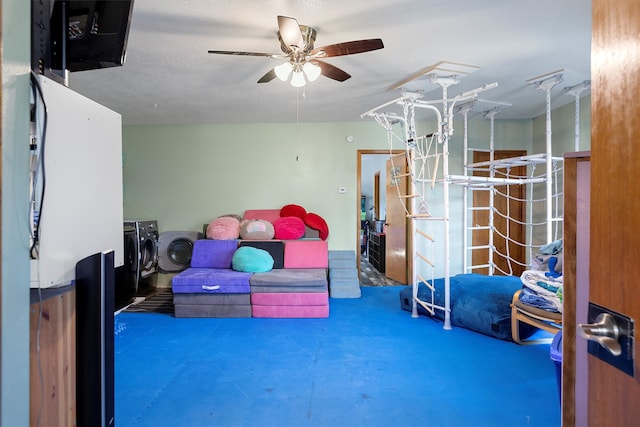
x: 141, y: 250
x: 175, y: 249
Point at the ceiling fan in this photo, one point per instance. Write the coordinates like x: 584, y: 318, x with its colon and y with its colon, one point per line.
x: 302, y: 58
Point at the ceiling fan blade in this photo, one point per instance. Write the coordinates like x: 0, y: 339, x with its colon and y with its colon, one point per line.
x: 231, y: 52
x: 290, y: 33
x: 332, y: 71
x: 268, y: 77
x: 347, y: 48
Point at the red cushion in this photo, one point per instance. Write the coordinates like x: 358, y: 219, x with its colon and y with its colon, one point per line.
x: 289, y: 228
x: 316, y: 222
x: 293, y: 210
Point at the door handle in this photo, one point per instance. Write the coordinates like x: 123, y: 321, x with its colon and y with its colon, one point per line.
x: 604, y: 331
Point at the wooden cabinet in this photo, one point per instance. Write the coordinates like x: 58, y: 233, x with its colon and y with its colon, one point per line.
x: 377, y: 251
x: 52, y: 365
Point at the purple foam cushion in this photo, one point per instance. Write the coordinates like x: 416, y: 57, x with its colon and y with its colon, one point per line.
x: 289, y: 228
x: 211, y: 280
x: 213, y: 253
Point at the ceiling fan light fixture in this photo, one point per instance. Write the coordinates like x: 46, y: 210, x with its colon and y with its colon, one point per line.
x: 283, y: 70
x: 312, y: 71
x: 297, y: 79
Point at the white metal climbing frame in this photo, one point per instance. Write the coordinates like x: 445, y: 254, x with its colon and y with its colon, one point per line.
x: 428, y: 164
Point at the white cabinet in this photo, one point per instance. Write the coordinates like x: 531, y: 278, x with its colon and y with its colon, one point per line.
x: 81, y: 213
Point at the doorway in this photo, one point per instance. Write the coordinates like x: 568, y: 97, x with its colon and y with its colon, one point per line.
x: 371, y: 174
x: 509, y: 235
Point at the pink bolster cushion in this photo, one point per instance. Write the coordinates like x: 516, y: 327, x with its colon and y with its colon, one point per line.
x: 266, y: 214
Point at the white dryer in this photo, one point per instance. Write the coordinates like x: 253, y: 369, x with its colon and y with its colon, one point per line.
x: 175, y: 249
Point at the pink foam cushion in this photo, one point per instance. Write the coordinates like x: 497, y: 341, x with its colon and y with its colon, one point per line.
x: 316, y: 222
x: 293, y: 210
x: 290, y: 311
x: 224, y: 228
x: 306, y: 254
x: 289, y: 228
x: 290, y: 298
x: 256, y: 229
x: 266, y: 214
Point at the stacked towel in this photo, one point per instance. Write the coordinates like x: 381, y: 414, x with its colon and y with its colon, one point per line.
x: 541, y: 291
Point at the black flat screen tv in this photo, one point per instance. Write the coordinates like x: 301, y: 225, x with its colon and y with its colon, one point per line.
x: 89, y: 34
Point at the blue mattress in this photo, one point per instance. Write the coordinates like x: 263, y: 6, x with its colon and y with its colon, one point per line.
x: 478, y: 302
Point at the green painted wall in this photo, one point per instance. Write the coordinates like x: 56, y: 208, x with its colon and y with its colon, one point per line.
x: 185, y: 176
x: 14, y: 322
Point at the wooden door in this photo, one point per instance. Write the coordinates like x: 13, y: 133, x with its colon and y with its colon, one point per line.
x: 512, y: 208
x: 614, y: 397
x: 575, y: 273
x: 397, y: 185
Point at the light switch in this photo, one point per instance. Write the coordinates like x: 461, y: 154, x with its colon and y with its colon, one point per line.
x: 342, y: 190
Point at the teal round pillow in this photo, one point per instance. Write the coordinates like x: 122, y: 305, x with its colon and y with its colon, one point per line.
x: 251, y: 260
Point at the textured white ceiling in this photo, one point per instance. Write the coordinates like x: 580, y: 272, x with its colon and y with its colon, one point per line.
x: 169, y: 78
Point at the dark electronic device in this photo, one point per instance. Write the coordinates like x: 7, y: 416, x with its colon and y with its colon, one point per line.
x: 78, y: 35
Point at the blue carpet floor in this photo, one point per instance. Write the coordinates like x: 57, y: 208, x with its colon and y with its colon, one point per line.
x: 369, y: 364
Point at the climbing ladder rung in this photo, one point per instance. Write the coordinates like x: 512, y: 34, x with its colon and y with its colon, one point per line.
x: 481, y: 208
x: 419, y: 216
x: 476, y: 267
x: 402, y: 175
x: 426, y: 283
x: 478, y: 247
x: 407, y: 196
x: 479, y: 227
x: 423, y: 234
x: 425, y: 259
x: 427, y: 306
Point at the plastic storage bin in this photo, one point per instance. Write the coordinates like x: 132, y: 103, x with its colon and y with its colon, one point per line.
x: 556, y: 356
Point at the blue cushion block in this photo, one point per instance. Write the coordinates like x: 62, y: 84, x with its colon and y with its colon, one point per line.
x: 342, y: 263
x: 343, y: 273
x: 342, y: 255
x: 344, y: 288
x: 346, y: 292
